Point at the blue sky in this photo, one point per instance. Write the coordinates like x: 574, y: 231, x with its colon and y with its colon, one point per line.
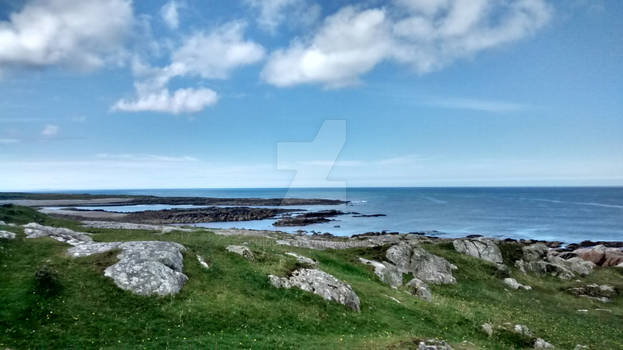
x: 172, y: 94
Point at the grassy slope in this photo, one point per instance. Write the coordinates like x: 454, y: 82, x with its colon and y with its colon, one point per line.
x: 233, y: 305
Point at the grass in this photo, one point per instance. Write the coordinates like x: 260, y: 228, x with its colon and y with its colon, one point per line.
x: 232, y: 305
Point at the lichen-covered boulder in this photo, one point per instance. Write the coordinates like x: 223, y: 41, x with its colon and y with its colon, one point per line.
x: 386, y: 272
x: 422, y: 264
x: 144, y: 267
x: 482, y: 248
x: 6, y: 235
x: 320, y: 283
x: 241, y: 250
x: 418, y: 288
x: 302, y: 259
x: 511, y: 282
x: 61, y: 234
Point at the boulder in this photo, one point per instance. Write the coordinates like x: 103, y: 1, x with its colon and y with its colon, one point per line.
x: 511, y: 282
x: 522, y: 330
x: 542, y: 267
x: 487, y: 329
x: 320, y: 283
x: 418, y: 288
x: 61, y: 234
x: 144, y: 267
x: 601, y: 255
x: 534, y: 252
x: 433, y: 344
x: 386, y: 272
x: 481, y: 248
x: 241, y: 250
x: 542, y: 344
x: 7, y: 235
x: 302, y: 259
x: 202, y: 262
x: 594, y: 291
x: 422, y: 264
x: 574, y: 264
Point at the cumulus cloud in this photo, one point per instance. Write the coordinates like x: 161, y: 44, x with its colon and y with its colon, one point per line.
x: 426, y: 35
x: 205, y: 55
x: 180, y: 101
x: 170, y: 15
x: 81, y: 34
x: 272, y: 13
x: 50, y: 130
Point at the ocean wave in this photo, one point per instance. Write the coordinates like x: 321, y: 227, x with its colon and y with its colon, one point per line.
x: 594, y: 204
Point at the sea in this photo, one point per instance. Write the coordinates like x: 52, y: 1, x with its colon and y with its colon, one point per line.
x: 566, y: 214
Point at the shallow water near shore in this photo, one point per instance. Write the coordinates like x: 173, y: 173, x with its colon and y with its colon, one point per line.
x: 568, y: 214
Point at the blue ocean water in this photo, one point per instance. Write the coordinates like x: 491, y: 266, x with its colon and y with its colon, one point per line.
x: 568, y: 214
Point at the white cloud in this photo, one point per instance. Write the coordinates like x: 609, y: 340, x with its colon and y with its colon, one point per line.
x: 170, y: 15
x: 180, y: 101
x: 50, y: 130
x: 475, y: 104
x: 80, y: 34
x: 212, y: 55
x: 426, y: 35
x: 272, y: 13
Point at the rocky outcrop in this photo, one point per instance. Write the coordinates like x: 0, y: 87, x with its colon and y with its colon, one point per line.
x: 320, y: 283
x: 538, y: 259
x: 422, y: 264
x: 131, y: 226
x: 594, y: 291
x: 201, y: 215
x: 511, y: 282
x: 61, y: 234
x: 386, y: 272
x: 482, y: 248
x: 241, y: 250
x: 302, y: 259
x: 601, y: 255
x: 321, y: 244
x: 144, y: 267
x: 540, y: 343
x: 202, y: 262
x: 7, y: 235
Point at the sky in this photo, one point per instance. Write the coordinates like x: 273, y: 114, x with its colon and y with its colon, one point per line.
x: 117, y: 94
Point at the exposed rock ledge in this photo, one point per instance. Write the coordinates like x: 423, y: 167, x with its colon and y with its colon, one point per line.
x: 320, y: 283
x: 7, y: 235
x: 144, y: 267
x: 482, y: 248
x: 131, y: 226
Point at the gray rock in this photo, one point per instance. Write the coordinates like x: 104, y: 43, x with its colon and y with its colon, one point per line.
x: 61, y: 234
x: 2, y: 222
x: 7, y: 234
x: 511, y: 282
x: 534, y: 252
x: 422, y: 264
x: 386, y: 272
x: 522, y: 330
x: 542, y: 267
x: 482, y: 248
x: 202, y: 262
x: 542, y: 344
x: 144, y: 267
x: 321, y: 244
x: 418, y: 288
x: 433, y: 344
x: 575, y: 265
x: 302, y: 259
x: 320, y: 283
x: 594, y: 291
x: 131, y: 226
x: 242, y: 251
x: 487, y: 329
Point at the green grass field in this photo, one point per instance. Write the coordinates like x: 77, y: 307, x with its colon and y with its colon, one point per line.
x: 232, y: 304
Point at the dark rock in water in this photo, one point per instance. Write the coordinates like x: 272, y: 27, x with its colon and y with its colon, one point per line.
x: 223, y: 201
x: 473, y: 236
x: 585, y: 244
x: 368, y: 215
x: 211, y: 214
x: 308, y: 218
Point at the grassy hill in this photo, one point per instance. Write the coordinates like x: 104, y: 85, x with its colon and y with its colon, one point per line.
x: 48, y: 300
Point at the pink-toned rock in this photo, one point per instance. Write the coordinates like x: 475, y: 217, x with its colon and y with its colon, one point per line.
x: 601, y: 255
